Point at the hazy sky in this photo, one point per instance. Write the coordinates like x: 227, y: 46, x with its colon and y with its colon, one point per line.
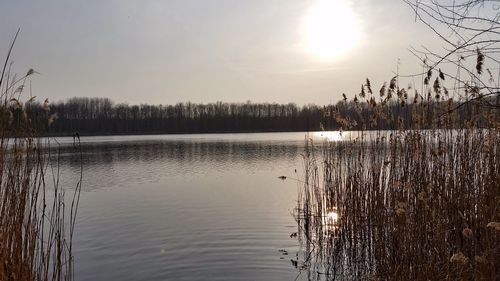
x: 152, y: 51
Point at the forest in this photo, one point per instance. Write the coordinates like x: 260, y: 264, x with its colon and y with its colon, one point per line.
x: 101, y: 116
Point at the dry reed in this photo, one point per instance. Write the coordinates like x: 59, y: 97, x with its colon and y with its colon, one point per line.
x: 408, y: 203
x: 36, y: 222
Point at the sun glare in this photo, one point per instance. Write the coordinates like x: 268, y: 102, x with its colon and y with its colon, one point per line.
x: 331, y: 136
x: 330, y: 29
x: 333, y: 216
x: 331, y: 219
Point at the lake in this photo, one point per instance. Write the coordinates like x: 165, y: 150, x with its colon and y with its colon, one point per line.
x: 185, y: 207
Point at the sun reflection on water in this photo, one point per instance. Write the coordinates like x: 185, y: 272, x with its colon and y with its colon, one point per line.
x: 331, y: 135
x: 331, y: 219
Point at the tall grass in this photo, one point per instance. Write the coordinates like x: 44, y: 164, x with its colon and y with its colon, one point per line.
x: 405, y: 204
x: 36, y: 222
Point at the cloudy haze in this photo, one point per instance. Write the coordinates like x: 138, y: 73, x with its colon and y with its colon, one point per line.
x: 162, y: 52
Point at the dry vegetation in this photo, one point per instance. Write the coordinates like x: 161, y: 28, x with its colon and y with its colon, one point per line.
x: 36, y: 221
x: 422, y: 201
x: 412, y: 204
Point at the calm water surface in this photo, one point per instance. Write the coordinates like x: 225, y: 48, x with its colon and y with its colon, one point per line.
x: 185, y: 207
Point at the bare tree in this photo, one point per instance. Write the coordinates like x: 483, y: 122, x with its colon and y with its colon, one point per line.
x: 470, y: 31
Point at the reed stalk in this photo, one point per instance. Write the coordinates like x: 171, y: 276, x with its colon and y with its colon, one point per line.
x: 419, y: 202
x: 37, y: 221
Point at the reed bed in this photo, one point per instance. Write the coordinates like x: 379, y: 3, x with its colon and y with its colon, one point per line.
x: 419, y: 202
x: 37, y: 220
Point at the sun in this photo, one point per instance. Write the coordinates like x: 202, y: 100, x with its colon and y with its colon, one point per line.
x: 330, y: 29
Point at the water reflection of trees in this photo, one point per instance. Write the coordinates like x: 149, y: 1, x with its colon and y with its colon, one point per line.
x: 119, y: 163
x: 182, y: 151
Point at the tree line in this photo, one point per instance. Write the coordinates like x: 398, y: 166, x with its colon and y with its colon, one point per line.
x: 101, y: 116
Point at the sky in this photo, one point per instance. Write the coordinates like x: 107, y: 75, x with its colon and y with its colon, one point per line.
x: 169, y: 51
